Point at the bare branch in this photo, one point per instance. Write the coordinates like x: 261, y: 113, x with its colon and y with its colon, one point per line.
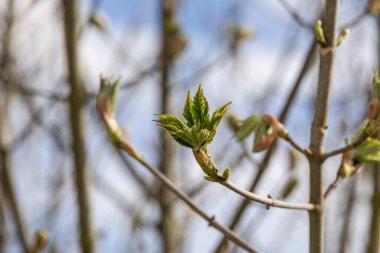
x: 77, y: 102
x: 333, y: 186
x: 173, y: 188
x: 269, y: 202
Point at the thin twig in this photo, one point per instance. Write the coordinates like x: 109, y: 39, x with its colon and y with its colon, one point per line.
x: 333, y: 186
x: 349, y: 147
x: 173, y: 188
x: 292, y: 12
x: 294, y: 144
x: 269, y: 202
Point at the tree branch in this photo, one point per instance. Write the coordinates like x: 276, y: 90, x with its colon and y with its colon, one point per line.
x: 77, y: 101
x: 174, y: 189
x: 269, y: 202
x: 319, y: 127
x: 349, y: 147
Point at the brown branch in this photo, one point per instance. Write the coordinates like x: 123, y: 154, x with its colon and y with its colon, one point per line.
x: 10, y: 196
x: 349, y: 210
x: 76, y: 113
x: 333, y: 186
x: 319, y: 127
x: 294, y: 144
x: 346, y: 148
x: 170, y: 235
x: 8, y: 188
x: 174, y: 189
x: 374, y: 229
x: 2, y: 223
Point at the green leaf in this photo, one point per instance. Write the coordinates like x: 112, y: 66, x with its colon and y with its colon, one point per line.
x: 176, y: 128
x: 248, y: 127
x: 368, y: 151
x: 199, y: 136
x: 188, y: 110
x: 217, y: 116
x: 215, y: 121
x: 184, y: 138
x: 201, y: 109
x: 169, y: 122
x: 260, y: 131
x: 375, y: 92
x: 199, y: 130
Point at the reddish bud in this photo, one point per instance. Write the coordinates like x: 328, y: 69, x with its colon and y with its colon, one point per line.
x: 272, y: 120
x: 373, y: 109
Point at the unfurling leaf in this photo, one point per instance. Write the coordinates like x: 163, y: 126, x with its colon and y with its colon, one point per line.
x: 248, y: 127
x: 105, y: 104
x: 266, y: 129
x: 200, y: 109
x: 188, y: 110
x: 199, y: 130
x: 368, y: 151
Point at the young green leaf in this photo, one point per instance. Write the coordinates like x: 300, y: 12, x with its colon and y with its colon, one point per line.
x: 176, y: 128
x: 188, y: 110
x: 248, y: 127
x: 199, y: 129
x: 368, y: 151
x: 201, y: 109
x: 217, y: 116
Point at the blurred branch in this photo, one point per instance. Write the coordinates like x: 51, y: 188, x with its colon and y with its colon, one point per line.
x: 268, y: 155
x: 77, y: 102
x: 8, y: 188
x: 10, y: 196
x: 333, y: 186
x: 373, y: 245
x: 294, y: 14
x: 169, y: 30
x: 348, y: 212
x: 2, y: 222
